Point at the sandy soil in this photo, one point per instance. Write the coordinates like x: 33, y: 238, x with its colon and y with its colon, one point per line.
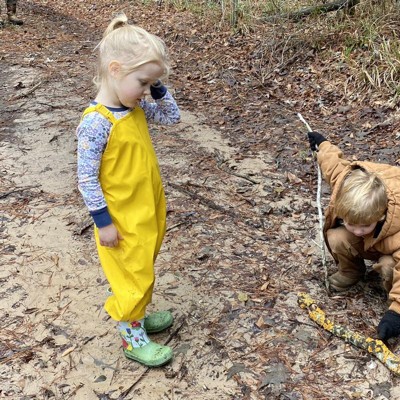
x: 240, y: 245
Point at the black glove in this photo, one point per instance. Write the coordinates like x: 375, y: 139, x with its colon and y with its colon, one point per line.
x: 389, y: 325
x: 158, y: 90
x: 315, y: 140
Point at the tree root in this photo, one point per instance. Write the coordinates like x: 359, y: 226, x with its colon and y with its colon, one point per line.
x: 375, y: 347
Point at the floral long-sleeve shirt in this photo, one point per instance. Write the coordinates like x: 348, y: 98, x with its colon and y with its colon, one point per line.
x: 93, y: 133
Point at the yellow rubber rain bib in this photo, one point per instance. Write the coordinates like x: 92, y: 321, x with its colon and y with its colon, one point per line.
x: 131, y: 183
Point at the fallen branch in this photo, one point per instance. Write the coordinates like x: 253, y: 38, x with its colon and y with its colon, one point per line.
x: 325, y: 8
x: 375, y: 347
x: 320, y: 216
x: 319, y: 9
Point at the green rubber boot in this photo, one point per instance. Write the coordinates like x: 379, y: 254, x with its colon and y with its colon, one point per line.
x: 151, y: 354
x: 137, y: 345
x: 158, y: 321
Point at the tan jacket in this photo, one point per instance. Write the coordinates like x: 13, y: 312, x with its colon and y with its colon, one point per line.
x: 334, y: 169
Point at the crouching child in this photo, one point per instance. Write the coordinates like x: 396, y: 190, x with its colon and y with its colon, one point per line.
x: 362, y: 222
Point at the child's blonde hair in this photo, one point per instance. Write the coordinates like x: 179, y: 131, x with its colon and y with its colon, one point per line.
x: 362, y: 198
x: 131, y: 46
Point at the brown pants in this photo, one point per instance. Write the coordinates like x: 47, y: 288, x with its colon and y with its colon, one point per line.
x: 349, y: 254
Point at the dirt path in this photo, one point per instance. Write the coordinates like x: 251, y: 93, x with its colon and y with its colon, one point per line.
x: 238, y: 249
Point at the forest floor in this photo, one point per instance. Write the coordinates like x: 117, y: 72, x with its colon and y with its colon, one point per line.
x: 243, y: 229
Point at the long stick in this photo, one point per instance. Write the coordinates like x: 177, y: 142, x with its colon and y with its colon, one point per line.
x: 375, y: 347
x: 320, y: 217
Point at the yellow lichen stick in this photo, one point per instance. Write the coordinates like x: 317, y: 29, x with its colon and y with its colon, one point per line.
x: 373, y: 346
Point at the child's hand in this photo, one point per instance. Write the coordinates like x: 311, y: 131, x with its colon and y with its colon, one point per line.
x: 109, y: 236
x: 315, y: 140
x: 389, y: 325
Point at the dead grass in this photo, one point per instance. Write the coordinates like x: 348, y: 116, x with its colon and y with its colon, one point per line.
x: 365, y: 44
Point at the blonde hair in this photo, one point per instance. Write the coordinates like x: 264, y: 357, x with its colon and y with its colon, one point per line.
x: 131, y: 46
x: 362, y: 198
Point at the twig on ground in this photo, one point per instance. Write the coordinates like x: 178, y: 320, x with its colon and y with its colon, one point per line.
x: 22, y: 351
x: 220, y: 164
x: 375, y: 347
x: 27, y: 93
x: 214, y: 206
x: 117, y: 368
x: 73, y: 392
x: 16, y: 190
x: 203, y: 200
x: 179, y: 326
x: 177, y: 225
x: 320, y: 217
x: 186, y: 221
x: 79, y: 230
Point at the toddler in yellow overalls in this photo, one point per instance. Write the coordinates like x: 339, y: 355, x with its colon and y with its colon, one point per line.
x: 120, y: 181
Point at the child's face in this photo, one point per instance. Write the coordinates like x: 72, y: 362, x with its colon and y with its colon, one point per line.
x: 360, y: 230
x: 131, y: 88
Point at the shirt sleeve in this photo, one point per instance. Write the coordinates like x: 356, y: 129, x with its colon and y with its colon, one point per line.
x: 162, y: 111
x: 92, y: 133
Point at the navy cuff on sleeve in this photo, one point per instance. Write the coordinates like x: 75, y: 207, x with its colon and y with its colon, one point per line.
x: 101, y: 217
x: 158, y: 92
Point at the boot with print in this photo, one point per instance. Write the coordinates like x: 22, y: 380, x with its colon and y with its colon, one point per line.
x: 138, y: 347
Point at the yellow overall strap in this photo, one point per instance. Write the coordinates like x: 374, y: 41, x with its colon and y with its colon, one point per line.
x: 104, y: 111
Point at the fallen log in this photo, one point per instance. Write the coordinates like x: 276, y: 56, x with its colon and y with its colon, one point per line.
x: 320, y: 9
x: 375, y: 347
